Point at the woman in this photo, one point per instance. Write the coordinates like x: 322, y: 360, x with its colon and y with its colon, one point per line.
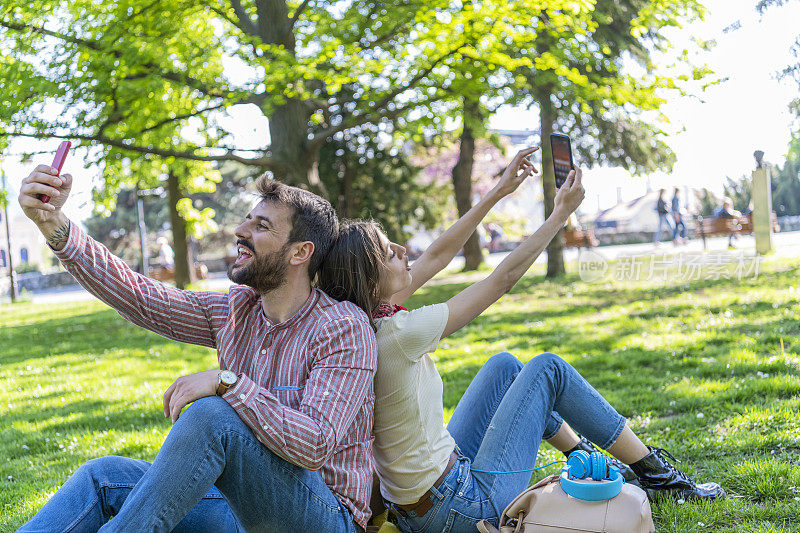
x: 441, y: 479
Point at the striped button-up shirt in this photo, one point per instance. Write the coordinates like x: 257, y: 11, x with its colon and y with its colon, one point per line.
x: 305, y: 385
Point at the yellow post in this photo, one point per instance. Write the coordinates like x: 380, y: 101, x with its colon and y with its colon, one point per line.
x: 762, y: 205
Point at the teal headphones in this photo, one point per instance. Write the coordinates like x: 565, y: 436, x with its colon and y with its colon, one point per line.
x: 582, y: 465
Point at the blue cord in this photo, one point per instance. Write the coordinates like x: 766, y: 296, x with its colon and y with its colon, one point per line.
x: 517, y: 471
x: 287, y: 388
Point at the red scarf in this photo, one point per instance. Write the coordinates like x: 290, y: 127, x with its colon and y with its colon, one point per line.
x: 385, y: 309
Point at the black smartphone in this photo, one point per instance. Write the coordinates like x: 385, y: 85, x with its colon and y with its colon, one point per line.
x: 561, y: 150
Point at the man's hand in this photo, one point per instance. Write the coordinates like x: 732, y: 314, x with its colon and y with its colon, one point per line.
x: 570, y: 195
x: 48, y: 216
x: 44, y: 180
x: 187, y: 389
x: 512, y: 177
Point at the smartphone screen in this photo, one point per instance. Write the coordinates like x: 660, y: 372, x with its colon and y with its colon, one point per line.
x: 562, y: 157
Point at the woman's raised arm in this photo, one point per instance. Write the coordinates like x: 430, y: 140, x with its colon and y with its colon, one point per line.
x: 444, y: 249
x: 471, y: 302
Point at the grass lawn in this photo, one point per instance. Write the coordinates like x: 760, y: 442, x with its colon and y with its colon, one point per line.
x: 698, y: 368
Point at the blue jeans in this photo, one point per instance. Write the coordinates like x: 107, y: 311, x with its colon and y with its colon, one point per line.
x: 679, y: 229
x: 498, y: 426
x: 663, y: 220
x: 211, y: 475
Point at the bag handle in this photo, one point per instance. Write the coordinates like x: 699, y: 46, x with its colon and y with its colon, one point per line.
x: 520, y: 518
x: 485, y: 527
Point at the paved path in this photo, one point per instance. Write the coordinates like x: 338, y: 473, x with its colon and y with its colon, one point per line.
x: 785, y: 245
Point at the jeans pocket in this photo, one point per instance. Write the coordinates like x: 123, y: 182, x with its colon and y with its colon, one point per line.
x: 458, y: 522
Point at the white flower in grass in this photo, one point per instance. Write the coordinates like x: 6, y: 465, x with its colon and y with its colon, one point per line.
x: 700, y: 415
x: 681, y: 501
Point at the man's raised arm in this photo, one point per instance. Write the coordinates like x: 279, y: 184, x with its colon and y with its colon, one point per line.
x: 180, y: 315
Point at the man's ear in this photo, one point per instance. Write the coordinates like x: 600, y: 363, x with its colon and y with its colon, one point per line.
x: 300, y: 253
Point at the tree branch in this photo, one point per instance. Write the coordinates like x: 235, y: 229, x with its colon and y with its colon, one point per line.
x: 380, y: 112
x: 265, y: 162
x: 246, y: 24
x: 150, y: 68
x: 176, y: 118
x: 296, y: 14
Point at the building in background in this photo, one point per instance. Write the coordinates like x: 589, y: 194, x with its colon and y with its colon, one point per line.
x: 27, y: 244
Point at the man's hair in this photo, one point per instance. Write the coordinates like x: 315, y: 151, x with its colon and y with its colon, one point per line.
x: 313, y: 218
x: 352, y: 271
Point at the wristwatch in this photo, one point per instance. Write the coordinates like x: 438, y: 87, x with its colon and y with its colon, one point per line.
x: 226, y: 380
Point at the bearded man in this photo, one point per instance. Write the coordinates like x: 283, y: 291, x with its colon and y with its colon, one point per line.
x: 278, y: 438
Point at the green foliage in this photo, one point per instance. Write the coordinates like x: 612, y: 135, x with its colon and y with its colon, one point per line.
x: 786, y: 182
x: 366, y: 179
x: 25, y: 268
x: 605, y: 86
x: 118, y: 228
x: 660, y: 352
x: 740, y: 191
x: 708, y: 203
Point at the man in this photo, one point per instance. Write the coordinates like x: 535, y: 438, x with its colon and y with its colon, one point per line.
x: 679, y: 229
x: 279, y: 437
x: 726, y: 210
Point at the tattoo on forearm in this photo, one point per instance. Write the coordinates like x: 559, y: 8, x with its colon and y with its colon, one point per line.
x: 59, y: 237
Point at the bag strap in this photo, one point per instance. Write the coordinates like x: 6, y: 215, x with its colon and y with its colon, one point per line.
x: 485, y: 527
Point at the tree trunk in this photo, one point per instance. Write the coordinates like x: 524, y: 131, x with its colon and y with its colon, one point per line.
x: 555, y: 250
x: 295, y: 165
x: 462, y: 184
x: 183, y: 274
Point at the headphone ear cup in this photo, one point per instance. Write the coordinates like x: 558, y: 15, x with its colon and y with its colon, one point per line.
x: 599, y: 466
x: 580, y: 464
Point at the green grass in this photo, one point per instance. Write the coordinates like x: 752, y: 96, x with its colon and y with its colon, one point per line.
x: 77, y: 382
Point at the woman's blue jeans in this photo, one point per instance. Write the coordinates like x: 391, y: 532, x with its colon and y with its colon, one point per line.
x: 211, y: 475
x: 498, y: 426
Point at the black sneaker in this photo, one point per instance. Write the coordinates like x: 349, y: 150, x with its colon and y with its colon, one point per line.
x: 660, y: 478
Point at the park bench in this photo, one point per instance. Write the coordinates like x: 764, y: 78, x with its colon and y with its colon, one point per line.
x: 161, y: 273
x: 716, y: 226
x: 578, y: 238
x: 747, y: 224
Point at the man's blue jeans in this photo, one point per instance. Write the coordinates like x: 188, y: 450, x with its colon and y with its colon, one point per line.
x: 498, y: 426
x: 211, y: 475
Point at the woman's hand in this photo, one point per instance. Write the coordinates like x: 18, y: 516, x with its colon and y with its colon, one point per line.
x: 516, y: 172
x: 187, y: 389
x: 570, y: 195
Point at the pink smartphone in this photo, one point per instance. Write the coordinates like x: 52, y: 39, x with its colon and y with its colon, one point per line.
x: 58, y: 162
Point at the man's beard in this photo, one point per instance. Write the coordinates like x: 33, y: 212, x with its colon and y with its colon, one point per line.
x: 264, y: 273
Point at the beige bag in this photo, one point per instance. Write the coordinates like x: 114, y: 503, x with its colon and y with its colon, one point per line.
x: 546, y: 508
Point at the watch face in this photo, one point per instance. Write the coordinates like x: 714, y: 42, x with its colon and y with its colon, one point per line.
x: 227, y: 377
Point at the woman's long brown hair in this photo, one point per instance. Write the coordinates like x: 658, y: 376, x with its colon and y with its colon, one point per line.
x: 352, y: 269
